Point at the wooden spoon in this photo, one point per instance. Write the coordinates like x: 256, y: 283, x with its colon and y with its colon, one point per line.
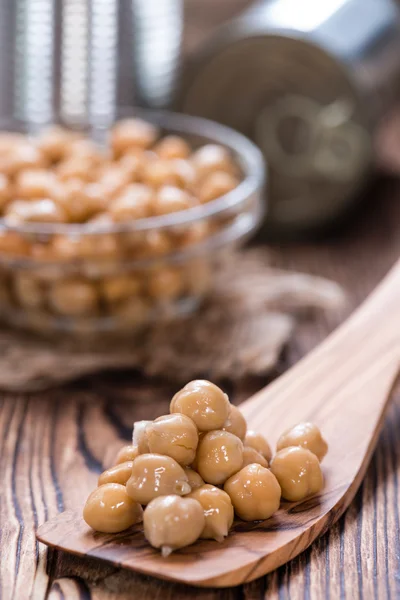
x: 343, y: 386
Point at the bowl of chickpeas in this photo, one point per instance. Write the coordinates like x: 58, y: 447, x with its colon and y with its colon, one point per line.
x: 112, y: 236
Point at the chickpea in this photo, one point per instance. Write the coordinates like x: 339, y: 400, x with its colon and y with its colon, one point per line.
x: 173, y: 435
x: 110, y: 510
x: 132, y: 133
x: 171, y: 199
x: 236, y: 423
x: 298, y: 472
x: 34, y: 211
x: 101, y: 221
x: 171, y: 522
x: 178, y: 173
x: 37, y: 183
x: 204, y: 402
x: 211, y: 158
x: 218, y: 512
x: 25, y: 156
x: 215, y: 185
x: 55, y: 142
x: 134, y: 203
x: 114, y: 180
x: 28, y: 290
x: 13, y: 243
x: 73, y: 297
x: 127, y: 454
x: 134, y: 164
x: 172, y: 146
x: 219, y: 455
x: 194, y: 479
x: 70, y: 247
x: 6, y: 191
x: 155, y: 243
x: 251, y: 456
x: 195, y: 233
x: 259, y: 443
x: 85, y: 149
x: 306, y: 435
x: 118, y: 474
x: 79, y: 200
x: 165, y: 283
x: 120, y: 287
x: 254, y: 492
x: 139, y: 437
x: 156, y: 475
x: 75, y: 168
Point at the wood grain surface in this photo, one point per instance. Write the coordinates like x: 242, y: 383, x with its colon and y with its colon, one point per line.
x: 53, y: 445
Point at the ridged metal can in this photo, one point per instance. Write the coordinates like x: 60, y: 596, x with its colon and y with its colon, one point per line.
x: 308, y: 81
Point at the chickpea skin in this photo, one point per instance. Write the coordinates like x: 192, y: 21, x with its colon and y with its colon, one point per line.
x: 194, y: 479
x: 172, y: 146
x: 236, y: 423
x: 258, y: 442
x: 306, y: 435
x: 254, y: 492
x: 219, y: 455
x: 73, y: 297
x: 118, y: 474
x: 126, y: 454
x: 218, y: 512
x: 139, y: 437
x: 203, y: 402
x: 298, y: 472
x: 175, y: 436
x: 251, y: 456
x: 156, y: 475
x: 109, y: 509
x: 171, y: 522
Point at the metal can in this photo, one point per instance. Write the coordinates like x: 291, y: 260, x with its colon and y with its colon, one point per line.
x: 308, y: 81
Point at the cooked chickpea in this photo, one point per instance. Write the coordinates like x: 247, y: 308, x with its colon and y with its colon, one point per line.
x: 258, y: 442
x: 34, y: 211
x: 171, y: 522
x: 155, y: 243
x: 126, y: 454
x: 118, y: 474
x: 75, y: 168
x: 251, y: 456
x: 298, y: 472
x: 120, y: 287
x: 254, y: 492
x: 6, y: 191
x: 156, y: 475
x: 69, y: 247
x: 139, y: 437
x: 172, y: 146
x: 109, y: 509
x: 13, y: 243
x: 114, y: 179
x: 194, y: 479
x: 204, y: 402
x: 173, y: 435
x: 215, y: 185
x: 134, y: 203
x: 165, y: 283
x: 55, y: 141
x: 219, y: 455
x: 236, y: 423
x: 28, y: 290
x: 179, y: 173
x: 211, y: 158
x: 25, y: 156
x: 38, y: 183
x: 134, y: 164
x: 85, y: 149
x: 306, y: 435
x: 132, y: 133
x: 218, y: 512
x: 79, y: 199
x: 171, y: 199
x: 73, y: 297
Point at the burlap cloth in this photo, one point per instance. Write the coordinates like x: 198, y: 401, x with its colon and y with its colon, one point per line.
x: 240, y: 330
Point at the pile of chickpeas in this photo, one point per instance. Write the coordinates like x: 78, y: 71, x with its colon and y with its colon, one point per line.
x: 62, y: 177
x: 196, y: 468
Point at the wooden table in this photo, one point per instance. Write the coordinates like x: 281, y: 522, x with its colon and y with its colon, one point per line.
x: 54, y: 444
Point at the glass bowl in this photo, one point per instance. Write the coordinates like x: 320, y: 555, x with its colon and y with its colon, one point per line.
x: 84, y: 279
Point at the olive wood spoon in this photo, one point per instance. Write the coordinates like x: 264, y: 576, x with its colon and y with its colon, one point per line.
x: 343, y: 386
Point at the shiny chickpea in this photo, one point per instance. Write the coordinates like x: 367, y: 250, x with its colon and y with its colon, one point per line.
x: 118, y: 474
x: 215, y: 185
x: 126, y: 454
x: 298, y: 472
x: 73, y: 298
x: 211, y: 158
x: 75, y: 168
x: 171, y: 199
x: 254, y: 492
x: 28, y: 290
x: 109, y: 509
x: 171, y: 522
x: 165, y: 284
x: 139, y: 437
x: 34, y: 211
x: 134, y: 164
x: 194, y: 479
x: 134, y: 203
x: 173, y: 435
x: 203, y: 402
x: 306, y: 435
x: 55, y: 141
x: 219, y: 455
x: 120, y: 287
x: 25, y: 156
x: 218, y: 512
x: 178, y: 173
x: 172, y: 146
x: 251, y: 456
x: 37, y: 183
x: 156, y: 475
x: 258, y: 442
x: 132, y: 133
x: 114, y: 179
x: 236, y: 423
